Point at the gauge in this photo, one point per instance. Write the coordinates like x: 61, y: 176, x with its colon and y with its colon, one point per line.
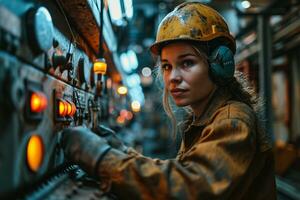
x: 40, y: 29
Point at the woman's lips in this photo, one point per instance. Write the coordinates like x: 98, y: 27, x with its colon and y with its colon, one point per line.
x: 177, y: 92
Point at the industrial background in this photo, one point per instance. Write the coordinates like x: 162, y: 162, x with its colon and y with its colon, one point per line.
x: 51, y: 78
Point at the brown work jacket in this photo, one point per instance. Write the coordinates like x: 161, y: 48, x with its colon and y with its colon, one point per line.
x: 223, y: 155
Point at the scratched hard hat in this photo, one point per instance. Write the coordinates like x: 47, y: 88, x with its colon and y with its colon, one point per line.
x: 193, y: 21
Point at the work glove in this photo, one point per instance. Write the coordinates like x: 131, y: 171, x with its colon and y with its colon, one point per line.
x: 112, y: 139
x: 83, y: 147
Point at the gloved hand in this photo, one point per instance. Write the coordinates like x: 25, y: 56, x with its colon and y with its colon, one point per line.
x: 83, y: 147
x: 112, y: 139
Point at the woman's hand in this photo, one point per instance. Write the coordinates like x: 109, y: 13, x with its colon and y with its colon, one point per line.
x: 83, y: 147
x: 110, y: 135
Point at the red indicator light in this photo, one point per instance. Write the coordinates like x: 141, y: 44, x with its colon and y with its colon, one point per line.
x: 38, y: 102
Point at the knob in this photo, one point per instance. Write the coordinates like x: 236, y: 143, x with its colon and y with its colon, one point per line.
x: 58, y: 60
x: 40, y: 29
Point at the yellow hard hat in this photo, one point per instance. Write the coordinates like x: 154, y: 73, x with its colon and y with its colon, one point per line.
x: 193, y: 21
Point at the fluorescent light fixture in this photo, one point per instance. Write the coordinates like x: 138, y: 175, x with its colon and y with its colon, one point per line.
x: 115, y: 10
x: 245, y: 4
x: 132, y: 59
x: 128, y: 8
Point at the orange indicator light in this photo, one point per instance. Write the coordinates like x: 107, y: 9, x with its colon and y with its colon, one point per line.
x: 35, y: 152
x: 69, y: 108
x: 73, y: 110
x: 62, y: 108
x: 100, y: 66
x: 38, y: 102
x: 66, y: 108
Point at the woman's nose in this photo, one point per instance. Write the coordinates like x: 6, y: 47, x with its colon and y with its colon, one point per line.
x: 175, y: 76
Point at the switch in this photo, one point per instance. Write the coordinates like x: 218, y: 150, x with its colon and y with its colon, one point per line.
x: 80, y: 72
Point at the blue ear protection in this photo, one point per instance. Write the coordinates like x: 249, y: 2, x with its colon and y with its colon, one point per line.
x: 221, y: 62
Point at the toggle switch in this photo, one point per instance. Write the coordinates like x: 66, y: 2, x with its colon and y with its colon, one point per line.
x: 58, y: 60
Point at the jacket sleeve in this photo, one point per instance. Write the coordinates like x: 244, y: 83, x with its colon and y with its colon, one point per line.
x: 211, y: 169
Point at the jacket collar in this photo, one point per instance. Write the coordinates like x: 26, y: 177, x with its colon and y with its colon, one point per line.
x: 218, y: 99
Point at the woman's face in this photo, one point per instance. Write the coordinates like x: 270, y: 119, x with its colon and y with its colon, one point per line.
x: 185, y: 75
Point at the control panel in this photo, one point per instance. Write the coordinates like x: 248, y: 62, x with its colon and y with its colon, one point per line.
x: 47, y: 83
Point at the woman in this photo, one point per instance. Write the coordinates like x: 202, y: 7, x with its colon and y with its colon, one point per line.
x: 224, y: 153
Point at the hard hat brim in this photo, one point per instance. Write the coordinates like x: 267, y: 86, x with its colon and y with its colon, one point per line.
x: 156, y: 47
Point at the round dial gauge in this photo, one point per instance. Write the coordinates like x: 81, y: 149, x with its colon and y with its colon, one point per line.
x: 40, y: 29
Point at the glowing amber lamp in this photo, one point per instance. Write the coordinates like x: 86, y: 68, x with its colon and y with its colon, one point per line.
x: 62, y: 108
x: 69, y: 108
x: 73, y: 109
x: 35, y: 152
x: 122, y: 90
x: 100, y: 66
x: 120, y: 120
x: 136, y: 106
x: 38, y: 102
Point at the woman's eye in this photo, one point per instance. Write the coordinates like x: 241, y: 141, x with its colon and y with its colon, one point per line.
x: 166, y: 67
x: 188, y: 63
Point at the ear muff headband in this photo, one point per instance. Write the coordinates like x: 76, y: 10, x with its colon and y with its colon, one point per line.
x: 221, y: 62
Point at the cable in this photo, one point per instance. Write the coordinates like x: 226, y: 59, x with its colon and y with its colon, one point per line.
x: 101, y: 12
x: 62, y: 11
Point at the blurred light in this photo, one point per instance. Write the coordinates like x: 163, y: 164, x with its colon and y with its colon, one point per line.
x: 136, y: 106
x: 250, y: 38
x: 122, y: 90
x: 108, y: 83
x: 126, y: 114
x: 133, y: 80
x: 129, y: 115
x: 146, y: 71
x: 129, y: 61
x: 115, y: 10
x: 136, y: 93
x: 120, y: 120
x: 123, y: 112
x: 125, y: 62
x: 128, y: 8
x: 35, y: 152
x: 100, y: 66
x: 38, y: 102
x: 133, y: 62
x: 146, y: 81
x: 245, y: 4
